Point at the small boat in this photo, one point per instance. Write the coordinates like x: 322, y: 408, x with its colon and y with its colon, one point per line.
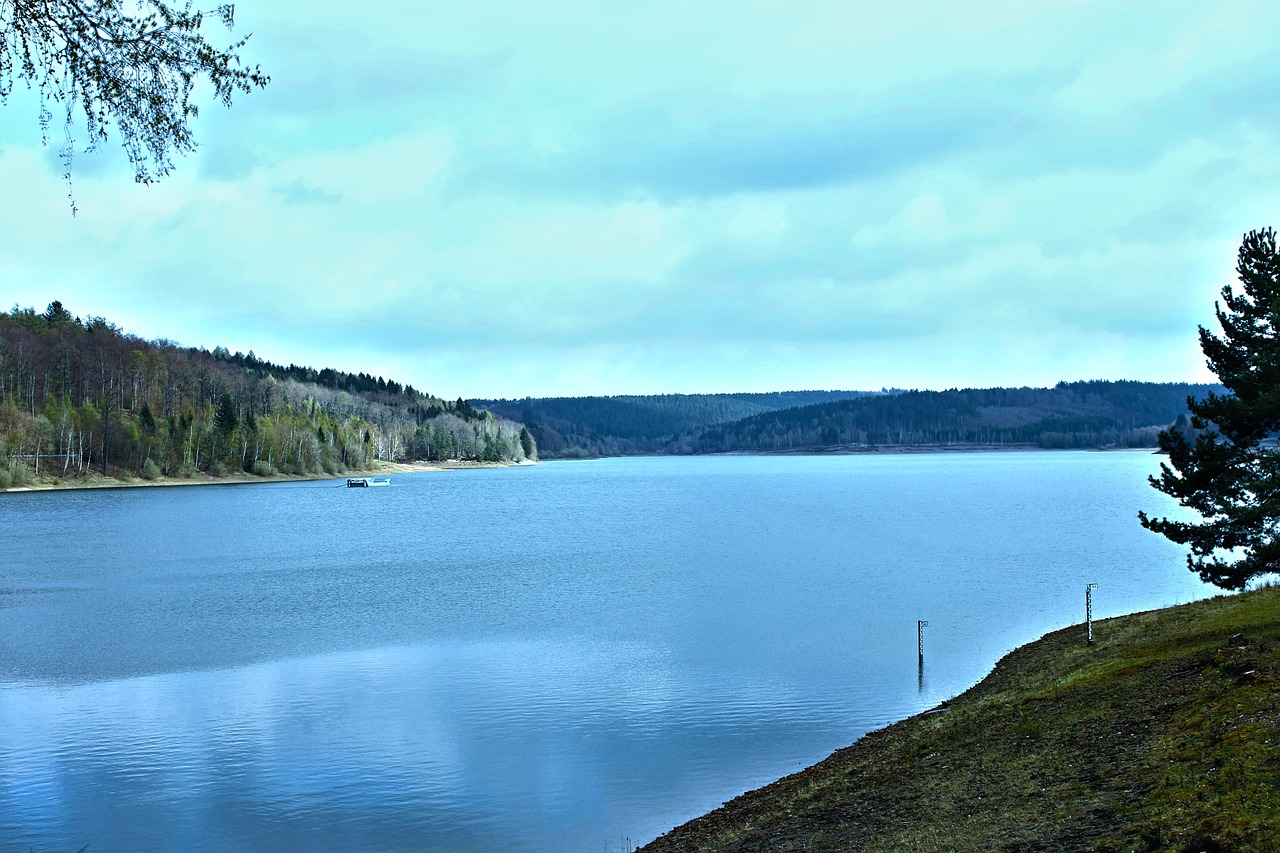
x: 366, y: 482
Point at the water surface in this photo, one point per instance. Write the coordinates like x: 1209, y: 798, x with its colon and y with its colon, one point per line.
x: 567, y: 657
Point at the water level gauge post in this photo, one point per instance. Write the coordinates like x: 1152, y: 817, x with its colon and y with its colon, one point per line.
x: 1088, y: 612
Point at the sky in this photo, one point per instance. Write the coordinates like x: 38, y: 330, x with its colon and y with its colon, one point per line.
x: 509, y: 199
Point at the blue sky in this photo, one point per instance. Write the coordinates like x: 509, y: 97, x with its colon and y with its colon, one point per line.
x: 510, y: 199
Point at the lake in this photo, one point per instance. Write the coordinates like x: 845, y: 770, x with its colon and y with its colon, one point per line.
x: 575, y: 656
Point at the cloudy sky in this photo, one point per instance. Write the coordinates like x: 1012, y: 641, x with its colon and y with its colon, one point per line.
x: 521, y: 198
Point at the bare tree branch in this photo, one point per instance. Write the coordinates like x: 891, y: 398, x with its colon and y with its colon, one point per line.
x: 133, y: 65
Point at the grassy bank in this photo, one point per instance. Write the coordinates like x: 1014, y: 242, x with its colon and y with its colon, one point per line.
x: 1163, y: 735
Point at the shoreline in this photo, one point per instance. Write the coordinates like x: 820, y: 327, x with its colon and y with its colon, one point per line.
x: 240, y: 478
x: 873, y: 449
x: 862, y: 449
x: 1160, y: 735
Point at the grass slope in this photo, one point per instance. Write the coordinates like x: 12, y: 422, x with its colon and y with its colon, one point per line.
x: 1163, y: 735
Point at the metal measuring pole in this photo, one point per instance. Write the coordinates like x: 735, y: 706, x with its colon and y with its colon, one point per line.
x: 1088, y: 611
x: 920, y: 624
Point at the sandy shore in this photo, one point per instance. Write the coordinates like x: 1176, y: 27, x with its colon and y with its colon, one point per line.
x: 382, y: 469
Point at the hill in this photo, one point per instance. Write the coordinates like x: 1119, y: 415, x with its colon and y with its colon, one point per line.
x: 1071, y: 414
x: 1163, y: 735
x: 81, y: 395
x: 626, y: 425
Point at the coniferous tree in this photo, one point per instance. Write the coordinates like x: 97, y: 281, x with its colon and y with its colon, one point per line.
x: 225, y: 418
x: 147, y: 420
x: 1228, y: 474
x: 57, y: 317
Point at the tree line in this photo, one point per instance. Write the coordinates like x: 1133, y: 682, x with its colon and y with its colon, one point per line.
x: 1069, y: 415
x: 83, y: 395
x: 569, y: 427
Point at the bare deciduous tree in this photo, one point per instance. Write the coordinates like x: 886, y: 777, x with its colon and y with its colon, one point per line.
x: 131, y: 64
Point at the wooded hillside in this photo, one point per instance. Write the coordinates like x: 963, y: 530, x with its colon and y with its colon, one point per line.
x: 80, y: 395
x: 1069, y: 415
x: 625, y: 425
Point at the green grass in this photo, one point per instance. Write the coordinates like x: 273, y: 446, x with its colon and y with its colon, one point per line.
x: 1163, y: 735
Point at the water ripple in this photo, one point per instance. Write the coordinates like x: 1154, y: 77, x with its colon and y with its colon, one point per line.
x: 539, y: 659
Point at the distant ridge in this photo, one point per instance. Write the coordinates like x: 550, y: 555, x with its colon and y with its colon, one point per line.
x: 1091, y: 414
x: 636, y: 424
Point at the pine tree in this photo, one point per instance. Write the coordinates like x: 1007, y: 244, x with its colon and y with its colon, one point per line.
x: 225, y: 418
x: 1230, y: 473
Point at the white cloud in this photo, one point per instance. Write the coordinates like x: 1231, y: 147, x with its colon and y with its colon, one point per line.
x: 570, y: 198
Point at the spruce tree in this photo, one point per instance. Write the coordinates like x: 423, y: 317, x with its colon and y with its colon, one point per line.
x: 225, y: 418
x: 1230, y: 473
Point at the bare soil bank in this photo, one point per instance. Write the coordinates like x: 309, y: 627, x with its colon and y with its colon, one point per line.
x: 1163, y: 735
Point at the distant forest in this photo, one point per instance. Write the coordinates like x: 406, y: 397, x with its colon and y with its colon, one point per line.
x: 82, y: 395
x: 1069, y: 415
x: 568, y: 427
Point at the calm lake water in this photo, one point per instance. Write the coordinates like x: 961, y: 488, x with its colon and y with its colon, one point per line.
x: 569, y: 657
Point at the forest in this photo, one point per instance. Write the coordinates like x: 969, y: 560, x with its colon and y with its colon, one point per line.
x: 83, y: 396
x: 569, y: 427
x: 1070, y: 415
